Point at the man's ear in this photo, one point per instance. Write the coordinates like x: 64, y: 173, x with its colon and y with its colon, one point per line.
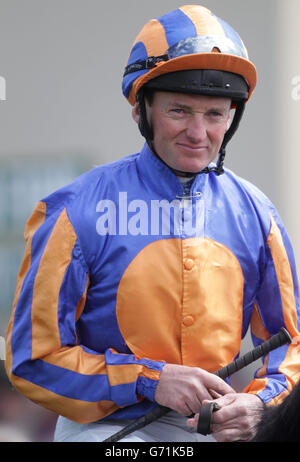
x: 136, y: 113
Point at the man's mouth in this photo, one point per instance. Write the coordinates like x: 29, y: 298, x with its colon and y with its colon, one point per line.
x: 192, y: 148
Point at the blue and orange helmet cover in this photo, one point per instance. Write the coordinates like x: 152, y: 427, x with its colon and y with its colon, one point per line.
x: 189, y: 22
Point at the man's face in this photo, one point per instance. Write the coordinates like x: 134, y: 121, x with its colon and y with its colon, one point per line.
x: 188, y: 129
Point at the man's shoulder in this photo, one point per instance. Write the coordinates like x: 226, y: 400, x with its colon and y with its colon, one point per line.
x: 249, y: 199
x: 87, y: 183
x: 246, y: 187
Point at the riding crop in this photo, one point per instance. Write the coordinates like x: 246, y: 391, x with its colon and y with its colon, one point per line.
x: 277, y: 340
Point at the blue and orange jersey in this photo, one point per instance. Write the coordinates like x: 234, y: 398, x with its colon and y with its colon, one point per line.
x: 123, y: 273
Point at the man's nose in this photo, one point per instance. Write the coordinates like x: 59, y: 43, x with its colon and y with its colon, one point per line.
x: 196, y: 128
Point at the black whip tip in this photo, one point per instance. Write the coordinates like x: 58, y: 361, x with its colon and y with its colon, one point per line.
x: 286, y: 335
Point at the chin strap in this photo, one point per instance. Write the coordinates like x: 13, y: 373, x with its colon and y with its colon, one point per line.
x: 147, y: 133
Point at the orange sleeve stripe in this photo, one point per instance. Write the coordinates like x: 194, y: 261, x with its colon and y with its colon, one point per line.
x: 73, y: 409
x: 81, y: 303
x: 290, y: 366
x: 121, y: 374
x: 53, y: 264
x: 256, y: 386
x: 284, y: 277
x: 34, y: 222
x: 77, y: 360
x: 257, y: 326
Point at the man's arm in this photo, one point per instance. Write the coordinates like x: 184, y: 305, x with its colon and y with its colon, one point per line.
x: 277, y: 305
x: 45, y: 360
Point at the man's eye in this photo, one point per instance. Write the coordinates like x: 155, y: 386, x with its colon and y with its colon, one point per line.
x: 215, y: 114
x: 177, y: 110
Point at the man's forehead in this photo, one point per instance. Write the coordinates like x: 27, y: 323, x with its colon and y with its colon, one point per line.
x: 189, y: 99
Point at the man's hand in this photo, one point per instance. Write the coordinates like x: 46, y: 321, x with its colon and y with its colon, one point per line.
x: 237, y: 418
x: 184, y: 388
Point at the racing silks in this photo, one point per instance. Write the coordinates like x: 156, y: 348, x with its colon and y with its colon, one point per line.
x: 122, y: 272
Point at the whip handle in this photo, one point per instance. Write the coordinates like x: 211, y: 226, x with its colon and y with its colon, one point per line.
x: 274, y: 342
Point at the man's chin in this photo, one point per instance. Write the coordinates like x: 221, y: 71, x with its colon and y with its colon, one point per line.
x: 191, y: 166
x: 194, y: 169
